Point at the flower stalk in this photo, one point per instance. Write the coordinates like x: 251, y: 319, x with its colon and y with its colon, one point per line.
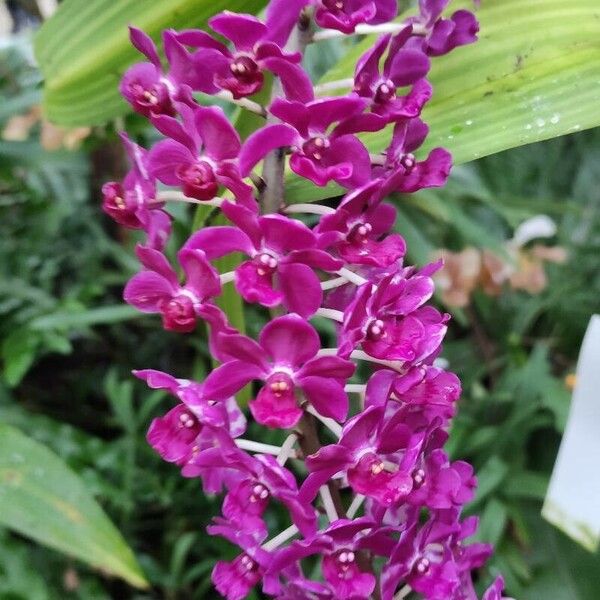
x: 392, y: 496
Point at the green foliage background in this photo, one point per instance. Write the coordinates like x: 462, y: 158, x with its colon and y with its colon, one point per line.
x: 68, y: 345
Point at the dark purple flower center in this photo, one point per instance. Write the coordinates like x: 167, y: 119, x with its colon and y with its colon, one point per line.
x: 113, y: 196
x: 375, y: 330
x: 280, y: 384
x: 245, y: 69
x: 187, y: 420
x: 247, y: 567
x: 179, y: 314
x: 259, y: 493
x: 315, y: 147
x: 344, y: 563
x: 418, y: 476
x: 408, y: 161
x: 199, y: 180
x: 421, y: 566
x: 359, y: 234
x: 266, y: 264
x: 334, y: 5
x: 151, y: 99
x: 385, y: 92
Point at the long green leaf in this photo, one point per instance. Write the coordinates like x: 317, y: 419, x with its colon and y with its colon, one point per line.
x: 84, y: 49
x: 533, y: 75
x: 40, y: 497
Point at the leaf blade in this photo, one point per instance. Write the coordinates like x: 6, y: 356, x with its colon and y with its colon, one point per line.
x: 41, y: 498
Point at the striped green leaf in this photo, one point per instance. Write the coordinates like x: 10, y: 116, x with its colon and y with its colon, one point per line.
x: 40, y: 497
x: 84, y: 49
x: 533, y: 75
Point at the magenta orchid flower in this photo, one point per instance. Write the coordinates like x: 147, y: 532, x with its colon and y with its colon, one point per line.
x: 285, y: 359
x: 283, y: 254
x: 380, y: 508
x: 432, y: 558
x: 390, y: 321
x: 357, y: 230
x: 201, y: 154
x: 157, y: 289
x: 339, y: 545
x: 364, y: 454
x: 342, y: 15
x: 257, y: 48
x: 235, y: 579
x: 402, y: 67
x: 145, y: 86
x: 401, y: 172
x: 320, y: 152
x: 133, y: 203
x: 443, y: 35
x: 262, y: 479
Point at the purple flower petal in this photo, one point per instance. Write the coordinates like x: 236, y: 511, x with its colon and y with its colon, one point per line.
x: 295, y: 82
x: 289, y: 340
x: 201, y: 277
x: 301, y: 288
x: 327, y: 396
x: 147, y: 290
x: 260, y: 143
x: 254, y: 287
x: 219, y: 241
x: 283, y: 234
x: 221, y: 140
x: 243, y: 30
x: 230, y: 378
x: 275, y: 410
x: 166, y: 158
x: 143, y: 42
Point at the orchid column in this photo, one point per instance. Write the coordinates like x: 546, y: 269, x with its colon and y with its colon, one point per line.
x: 380, y: 507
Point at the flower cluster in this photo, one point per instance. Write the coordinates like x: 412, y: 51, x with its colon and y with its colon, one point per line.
x: 374, y: 501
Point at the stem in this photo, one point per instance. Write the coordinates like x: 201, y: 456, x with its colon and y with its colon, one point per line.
x: 281, y: 538
x: 253, y: 446
x: 362, y: 29
x: 396, y: 365
x: 332, y: 86
x: 174, y: 196
x: 313, y: 209
x: 355, y: 388
x: 355, y: 505
x: 351, y: 276
x: 330, y: 509
x: 309, y: 443
x: 330, y: 313
x: 332, y: 425
x: 274, y: 164
x: 405, y: 591
x: 227, y: 277
x: 377, y: 159
x: 333, y: 283
x: 245, y: 103
x: 286, y: 448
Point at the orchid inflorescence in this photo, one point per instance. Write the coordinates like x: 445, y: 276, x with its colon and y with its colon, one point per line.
x: 381, y: 505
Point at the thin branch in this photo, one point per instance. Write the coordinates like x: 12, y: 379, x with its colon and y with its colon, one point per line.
x: 332, y: 86
x: 175, y: 196
x: 313, y: 209
x: 253, y: 446
x: 355, y: 278
x: 244, y: 103
x: 332, y: 425
x: 330, y: 313
x: 355, y: 505
x: 362, y: 29
x: 327, y: 499
x: 286, y: 448
x: 281, y: 538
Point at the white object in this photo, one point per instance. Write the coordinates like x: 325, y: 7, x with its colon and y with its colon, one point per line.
x: 573, y: 498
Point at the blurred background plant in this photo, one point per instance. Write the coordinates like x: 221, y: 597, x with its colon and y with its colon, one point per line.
x: 520, y: 233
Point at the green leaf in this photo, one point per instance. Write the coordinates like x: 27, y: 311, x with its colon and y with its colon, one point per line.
x: 533, y: 75
x: 18, y: 353
x: 40, y: 497
x: 84, y: 49
x: 87, y: 318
